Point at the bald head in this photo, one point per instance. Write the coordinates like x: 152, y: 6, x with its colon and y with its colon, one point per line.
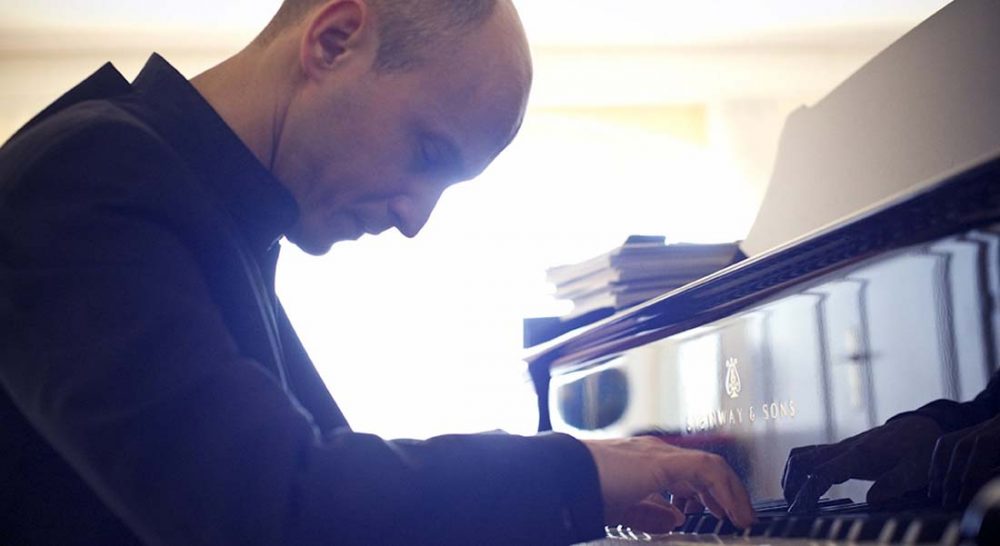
x: 367, y: 110
x: 407, y: 29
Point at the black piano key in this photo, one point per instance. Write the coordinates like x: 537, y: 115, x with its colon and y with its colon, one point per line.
x: 927, y: 529
x: 820, y: 528
x: 866, y: 529
x: 893, y: 530
x: 758, y: 528
x: 695, y: 523
x: 708, y: 524
x: 690, y: 523
x: 776, y: 528
x: 839, y: 529
x: 798, y: 527
x: 728, y: 529
x: 953, y: 534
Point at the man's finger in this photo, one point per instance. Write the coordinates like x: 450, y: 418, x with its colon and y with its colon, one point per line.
x: 693, y: 506
x: 940, y: 460
x: 906, y: 476
x: 713, y: 505
x: 807, y: 499
x: 797, y: 467
x: 951, y: 486
x: 701, y: 496
x: 683, y: 491
x: 981, y: 467
x: 661, y: 500
x: 852, y: 463
x: 684, y: 503
x: 725, y: 500
x: 804, y: 461
x: 631, y: 470
x: 709, y: 476
x: 798, y: 454
x: 741, y: 497
x: 653, y: 517
x: 945, y: 451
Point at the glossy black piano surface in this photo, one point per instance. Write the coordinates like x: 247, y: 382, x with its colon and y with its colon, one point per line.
x: 809, y: 344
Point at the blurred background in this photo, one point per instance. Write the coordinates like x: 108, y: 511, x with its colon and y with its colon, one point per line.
x: 646, y: 117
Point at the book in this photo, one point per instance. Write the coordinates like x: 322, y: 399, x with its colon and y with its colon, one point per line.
x: 615, y: 298
x: 665, y: 275
x: 642, y: 268
x: 648, y: 259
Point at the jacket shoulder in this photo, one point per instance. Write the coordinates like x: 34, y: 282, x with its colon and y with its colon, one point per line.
x: 92, y: 151
x: 85, y: 133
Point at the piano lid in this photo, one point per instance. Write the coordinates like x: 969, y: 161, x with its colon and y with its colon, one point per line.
x: 905, y: 151
x: 924, y: 106
x: 965, y: 199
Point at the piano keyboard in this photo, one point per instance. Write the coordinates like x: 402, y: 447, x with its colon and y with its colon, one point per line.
x: 837, y: 521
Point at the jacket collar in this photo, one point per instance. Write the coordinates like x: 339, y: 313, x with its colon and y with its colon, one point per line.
x: 260, y: 205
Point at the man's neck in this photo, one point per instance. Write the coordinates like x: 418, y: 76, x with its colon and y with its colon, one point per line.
x: 247, y: 93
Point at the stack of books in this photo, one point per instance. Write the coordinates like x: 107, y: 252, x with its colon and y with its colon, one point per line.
x: 641, y: 269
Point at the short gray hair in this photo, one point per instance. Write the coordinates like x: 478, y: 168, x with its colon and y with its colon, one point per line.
x: 406, y: 28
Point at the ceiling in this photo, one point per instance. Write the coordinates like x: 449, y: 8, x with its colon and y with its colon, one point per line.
x: 593, y: 53
x: 549, y: 22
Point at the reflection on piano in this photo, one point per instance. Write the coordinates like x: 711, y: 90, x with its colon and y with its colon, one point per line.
x: 810, y: 344
x: 819, y: 339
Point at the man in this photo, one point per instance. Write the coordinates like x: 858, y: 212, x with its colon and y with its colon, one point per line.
x: 152, y: 388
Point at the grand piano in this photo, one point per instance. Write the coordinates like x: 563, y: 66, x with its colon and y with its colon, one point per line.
x: 884, y: 297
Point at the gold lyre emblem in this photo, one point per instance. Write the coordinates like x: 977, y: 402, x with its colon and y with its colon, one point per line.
x: 733, y: 385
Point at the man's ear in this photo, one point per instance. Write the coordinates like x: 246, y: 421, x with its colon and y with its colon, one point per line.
x: 335, y: 32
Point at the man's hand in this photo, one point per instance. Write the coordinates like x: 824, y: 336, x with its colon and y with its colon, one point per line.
x: 964, y: 461
x: 896, y: 455
x: 635, y: 472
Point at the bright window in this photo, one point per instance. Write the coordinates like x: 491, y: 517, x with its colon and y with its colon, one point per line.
x: 422, y: 337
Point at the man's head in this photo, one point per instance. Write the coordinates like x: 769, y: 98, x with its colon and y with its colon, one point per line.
x: 405, y: 27
x: 391, y: 102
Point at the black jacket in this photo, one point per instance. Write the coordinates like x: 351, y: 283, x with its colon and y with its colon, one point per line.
x: 952, y: 415
x: 152, y: 387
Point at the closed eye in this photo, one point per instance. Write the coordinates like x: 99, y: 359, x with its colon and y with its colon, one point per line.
x: 438, y: 156
x: 430, y: 153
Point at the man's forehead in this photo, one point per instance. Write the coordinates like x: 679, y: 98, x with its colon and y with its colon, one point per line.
x: 482, y: 83
x: 487, y: 125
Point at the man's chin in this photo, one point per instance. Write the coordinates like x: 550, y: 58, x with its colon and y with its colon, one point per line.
x: 311, y: 245
x: 317, y: 237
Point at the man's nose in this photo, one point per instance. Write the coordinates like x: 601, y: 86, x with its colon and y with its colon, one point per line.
x: 412, y: 213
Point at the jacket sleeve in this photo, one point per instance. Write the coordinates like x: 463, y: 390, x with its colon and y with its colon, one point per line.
x: 111, y: 346
x: 951, y: 415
